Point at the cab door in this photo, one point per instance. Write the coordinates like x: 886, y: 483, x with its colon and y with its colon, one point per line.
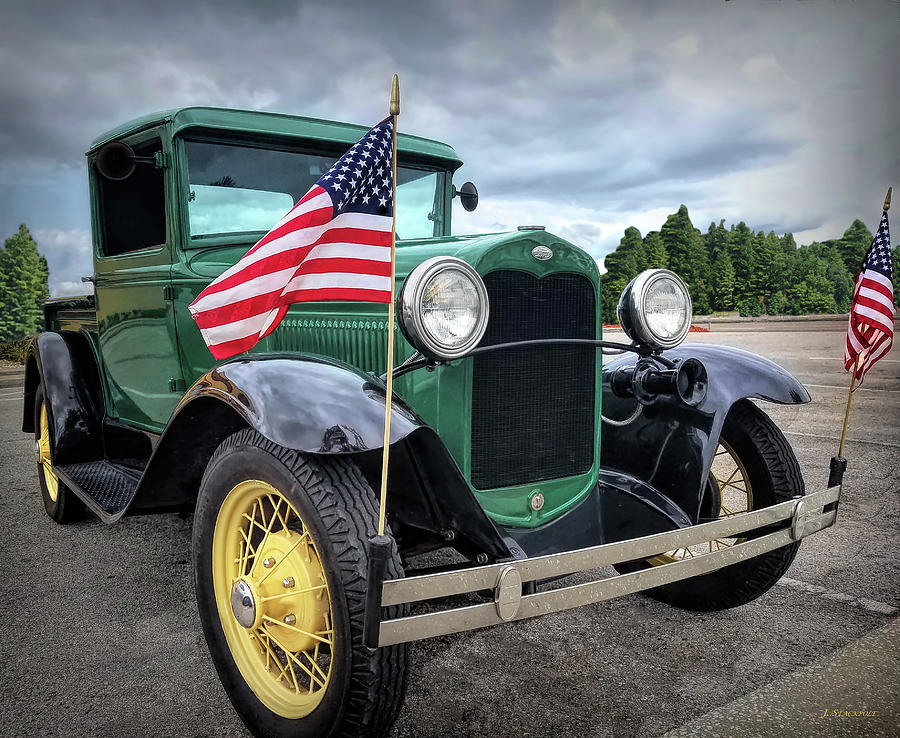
x: 133, y: 255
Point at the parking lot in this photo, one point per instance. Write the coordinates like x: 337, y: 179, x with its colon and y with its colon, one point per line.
x: 100, y: 635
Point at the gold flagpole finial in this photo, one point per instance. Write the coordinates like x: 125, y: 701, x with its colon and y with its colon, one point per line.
x: 395, y: 96
x: 887, y: 199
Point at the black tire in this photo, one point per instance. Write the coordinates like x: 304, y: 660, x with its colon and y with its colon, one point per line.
x: 67, y: 507
x: 774, y: 476
x: 339, y: 510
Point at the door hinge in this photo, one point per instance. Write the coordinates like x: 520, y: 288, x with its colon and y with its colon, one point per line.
x: 160, y: 160
x: 168, y: 293
x: 177, y: 385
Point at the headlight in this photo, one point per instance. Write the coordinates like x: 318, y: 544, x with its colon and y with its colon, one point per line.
x: 655, y: 309
x: 443, y: 307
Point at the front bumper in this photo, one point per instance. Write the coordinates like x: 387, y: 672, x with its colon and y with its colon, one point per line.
x: 785, y: 523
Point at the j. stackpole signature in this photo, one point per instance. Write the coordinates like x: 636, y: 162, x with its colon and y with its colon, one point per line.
x: 850, y: 713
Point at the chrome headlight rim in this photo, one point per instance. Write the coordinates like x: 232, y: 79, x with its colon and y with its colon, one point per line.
x: 409, y: 303
x: 632, y: 316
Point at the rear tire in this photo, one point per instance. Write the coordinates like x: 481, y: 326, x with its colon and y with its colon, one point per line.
x: 266, y: 667
x: 62, y: 504
x: 773, y: 476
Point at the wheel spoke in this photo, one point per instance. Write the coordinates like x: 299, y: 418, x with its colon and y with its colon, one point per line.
x: 291, y: 656
x: 286, y: 668
x: 292, y: 593
x: 276, y: 507
x: 295, y: 629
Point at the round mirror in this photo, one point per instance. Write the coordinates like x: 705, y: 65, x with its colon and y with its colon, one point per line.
x: 115, y: 160
x: 468, y: 196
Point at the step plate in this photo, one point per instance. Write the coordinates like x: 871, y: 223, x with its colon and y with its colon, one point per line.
x: 108, y: 485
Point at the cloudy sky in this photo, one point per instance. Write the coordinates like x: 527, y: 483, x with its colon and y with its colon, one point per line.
x: 586, y: 117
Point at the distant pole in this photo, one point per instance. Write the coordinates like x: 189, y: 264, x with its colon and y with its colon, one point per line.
x: 395, y: 112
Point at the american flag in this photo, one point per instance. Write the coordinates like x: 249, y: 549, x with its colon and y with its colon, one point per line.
x: 335, y: 244
x: 871, y: 330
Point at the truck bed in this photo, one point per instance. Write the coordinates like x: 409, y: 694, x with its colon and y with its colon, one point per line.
x: 71, y: 313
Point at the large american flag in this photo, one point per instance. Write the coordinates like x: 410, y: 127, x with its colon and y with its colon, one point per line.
x: 335, y: 244
x: 871, y: 330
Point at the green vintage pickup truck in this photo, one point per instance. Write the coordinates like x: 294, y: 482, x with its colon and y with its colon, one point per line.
x: 518, y: 454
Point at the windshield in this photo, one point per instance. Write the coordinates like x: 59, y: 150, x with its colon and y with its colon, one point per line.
x: 241, y: 189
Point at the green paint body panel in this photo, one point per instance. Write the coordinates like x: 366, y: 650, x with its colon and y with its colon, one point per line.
x: 150, y: 347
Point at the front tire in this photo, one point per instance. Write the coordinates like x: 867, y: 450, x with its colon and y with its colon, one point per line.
x: 761, y: 471
x: 61, y: 503
x: 280, y: 564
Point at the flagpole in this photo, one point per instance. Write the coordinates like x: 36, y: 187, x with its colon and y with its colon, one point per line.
x: 885, y: 208
x: 395, y: 112
x: 847, y: 411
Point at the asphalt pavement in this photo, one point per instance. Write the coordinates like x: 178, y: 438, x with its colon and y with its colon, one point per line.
x: 100, y: 635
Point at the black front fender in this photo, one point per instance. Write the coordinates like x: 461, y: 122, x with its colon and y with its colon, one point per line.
x: 319, y: 406
x: 308, y: 404
x: 671, y: 446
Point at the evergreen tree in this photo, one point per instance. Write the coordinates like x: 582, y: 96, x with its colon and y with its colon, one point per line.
x: 629, y: 258
x: 740, y: 249
x: 723, y: 282
x: 610, y: 290
x: 716, y: 239
x: 687, y: 256
x: 788, y: 244
x: 655, y: 251
x: 23, y: 286
x: 854, y: 244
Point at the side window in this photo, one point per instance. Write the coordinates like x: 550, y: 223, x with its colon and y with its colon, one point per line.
x: 133, y: 210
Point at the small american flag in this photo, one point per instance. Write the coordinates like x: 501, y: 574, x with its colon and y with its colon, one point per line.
x: 871, y: 330
x: 335, y: 244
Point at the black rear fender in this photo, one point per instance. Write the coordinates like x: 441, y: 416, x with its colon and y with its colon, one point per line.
x: 671, y: 446
x: 65, y: 364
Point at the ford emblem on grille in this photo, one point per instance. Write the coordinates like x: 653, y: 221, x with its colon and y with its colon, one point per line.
x: 541, y: 253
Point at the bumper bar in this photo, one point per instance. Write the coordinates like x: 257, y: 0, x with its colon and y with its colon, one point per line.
x: 799, y: 517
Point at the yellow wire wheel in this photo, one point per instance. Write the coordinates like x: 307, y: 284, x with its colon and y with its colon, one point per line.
x: 753, y: 468
x: 280, y: 547
x: 50, y: 478
x: 273, y: 598
x: 735, y: 494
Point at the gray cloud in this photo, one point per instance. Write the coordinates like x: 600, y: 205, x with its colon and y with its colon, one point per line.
x: 594, y: 115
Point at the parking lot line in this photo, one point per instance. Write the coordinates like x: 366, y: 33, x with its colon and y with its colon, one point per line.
x: 828, y: 594
x: 844, y: 389
x: 837, y: 438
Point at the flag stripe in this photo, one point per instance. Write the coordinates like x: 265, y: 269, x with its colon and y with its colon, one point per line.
x: 874, y: 317
x: 870, y: 332
x: 877, y: 288
x: 239, y: 283
x: 878, y: 305
x: 334, y: 244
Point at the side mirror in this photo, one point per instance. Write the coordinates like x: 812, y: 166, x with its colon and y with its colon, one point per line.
x: 116, y: 160
x: 468, y: 196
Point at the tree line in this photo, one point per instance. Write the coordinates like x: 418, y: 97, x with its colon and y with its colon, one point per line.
x: 23, y: 286
x: 736, y: 269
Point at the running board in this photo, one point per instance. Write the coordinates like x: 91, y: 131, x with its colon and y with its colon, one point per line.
x: 107, y: 488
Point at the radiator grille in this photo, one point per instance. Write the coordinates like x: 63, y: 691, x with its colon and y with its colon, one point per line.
x: 533, y: 408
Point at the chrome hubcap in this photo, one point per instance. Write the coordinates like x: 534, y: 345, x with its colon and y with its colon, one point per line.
x: 242, y: 604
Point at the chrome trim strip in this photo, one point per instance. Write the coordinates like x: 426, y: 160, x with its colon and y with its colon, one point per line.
x: 428, y: 625
x: 806, y: 516
x: 429, y: 586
